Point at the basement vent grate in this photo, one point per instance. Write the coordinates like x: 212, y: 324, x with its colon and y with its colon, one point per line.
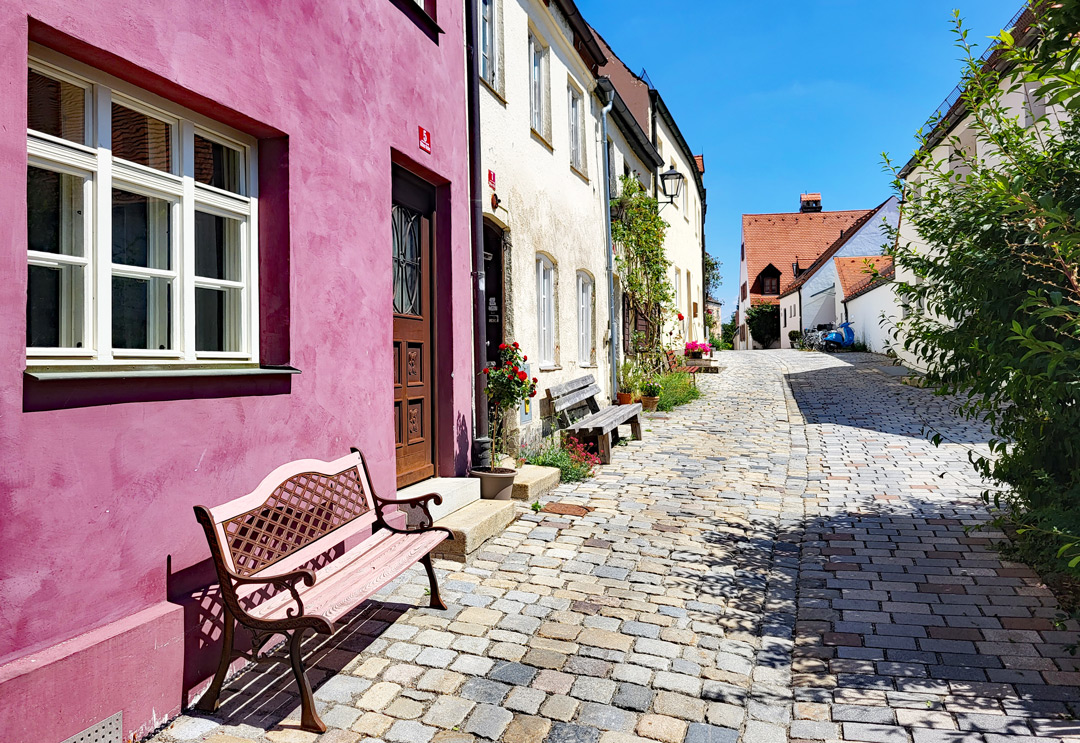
x: 108, y: 730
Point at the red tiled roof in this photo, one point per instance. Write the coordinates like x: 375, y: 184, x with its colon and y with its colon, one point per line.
x: 783, y: 238
x: 700, y: 160
x: 768, y: 299
x: 832, y: 250
x: 809, y: 197
x: 855, y: 276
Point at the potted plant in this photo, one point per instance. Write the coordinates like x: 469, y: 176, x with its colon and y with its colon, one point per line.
x: 650, y: 394
x: 508, y: 385
x: 696, y: 350
x: 627, y: 377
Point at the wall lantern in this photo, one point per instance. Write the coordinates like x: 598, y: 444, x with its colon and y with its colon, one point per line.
x: 671, y: 182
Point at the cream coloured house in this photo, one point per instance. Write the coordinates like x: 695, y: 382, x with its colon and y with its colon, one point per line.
x: 545, y: 214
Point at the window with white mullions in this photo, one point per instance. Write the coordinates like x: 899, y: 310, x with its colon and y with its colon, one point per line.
x: 545, y: 310
x: 576, y: 139
x: 488, y: 49
x: 585, y: 318
x: 537, y: 85
x: 141, y: 239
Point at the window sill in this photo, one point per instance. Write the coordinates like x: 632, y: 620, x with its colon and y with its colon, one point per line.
x: 491, y: 89
x: 542, y: 140
x: 579, y: 173
x: 549, y: 368
x: 588, y: 366
x: 55, y: 374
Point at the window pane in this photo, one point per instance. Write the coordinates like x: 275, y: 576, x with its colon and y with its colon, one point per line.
x: 141, y: 139
x: 217, y: 165
x: 54, y: 212
x: 55, y: 107
x: 407, y: 255
x: 217, y: 247
x: 141, y: 228
x: 217, y: 319
x: 54, y: 307
x: 141, y: 313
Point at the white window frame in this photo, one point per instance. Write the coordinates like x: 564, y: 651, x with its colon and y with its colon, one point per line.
x: 489, y: 42
x: 537, y: 85
x: 545, y: 310
x: 576, y: 115
x: 93, y: 161
x: 585, y: 318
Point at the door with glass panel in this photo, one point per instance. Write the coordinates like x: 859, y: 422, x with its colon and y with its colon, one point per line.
x: 413, y: 214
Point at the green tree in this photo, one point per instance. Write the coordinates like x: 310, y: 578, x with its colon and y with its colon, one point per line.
x: 713, y: 281
x: 727, y: 332
x: 763, y: 322
x: 994, y: 308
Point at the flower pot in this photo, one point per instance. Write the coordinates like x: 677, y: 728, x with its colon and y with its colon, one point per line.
x: 496, y: 483
x: 649, y: 403
x: 624, y: 398
x: 693, y: 354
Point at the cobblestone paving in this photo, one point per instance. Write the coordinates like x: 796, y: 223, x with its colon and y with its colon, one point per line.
x: 785, y: 559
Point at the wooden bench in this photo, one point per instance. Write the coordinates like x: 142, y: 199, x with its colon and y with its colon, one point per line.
x: 598, y: 426
x: 675, y: 366
x: 279, y: 536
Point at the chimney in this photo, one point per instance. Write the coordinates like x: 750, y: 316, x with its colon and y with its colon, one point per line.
x: 810, y: 202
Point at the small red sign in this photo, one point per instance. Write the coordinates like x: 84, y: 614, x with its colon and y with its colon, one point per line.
x: 491, y: 179
x: 425, y: 140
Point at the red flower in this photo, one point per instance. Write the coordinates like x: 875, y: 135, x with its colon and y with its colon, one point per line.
x: 486, y: 370
x: 516, y: 345
x: 532, y: 394
x: 535, y: 380
x: 513, y: 369
x: 522, y: 376
x: 502, y: 346
x: 524, y: 358
x: 680, y: 316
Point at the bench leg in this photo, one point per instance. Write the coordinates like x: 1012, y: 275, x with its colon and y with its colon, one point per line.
x: 603, y: 443
x: 309, y: 717
x: 436, y: 600
x: 209, y: 701
x: 635, y: 428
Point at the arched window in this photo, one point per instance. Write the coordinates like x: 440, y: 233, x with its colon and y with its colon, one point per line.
x: 585, y: 318
x: 545, y: 310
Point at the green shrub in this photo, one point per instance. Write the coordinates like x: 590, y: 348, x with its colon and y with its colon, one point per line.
x: 795, y: 336
x: 570, y: 456
x: 678, y: 388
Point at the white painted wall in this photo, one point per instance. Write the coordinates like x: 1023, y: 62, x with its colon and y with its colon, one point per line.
x: 682, y: 243
x: 790, y: 319
x: 546, y: 205
x: 872, y: 316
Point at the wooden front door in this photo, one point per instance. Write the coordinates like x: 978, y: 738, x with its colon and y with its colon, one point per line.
x: 414, y: 403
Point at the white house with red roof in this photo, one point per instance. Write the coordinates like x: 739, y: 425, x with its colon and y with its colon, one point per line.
x: 868, y: 299
x: 815, y: 298
x: 777, y: 248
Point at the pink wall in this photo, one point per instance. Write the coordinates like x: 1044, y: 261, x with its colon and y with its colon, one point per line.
x: 95, y: 499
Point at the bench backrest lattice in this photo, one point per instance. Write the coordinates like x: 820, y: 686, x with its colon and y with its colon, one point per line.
x: 282, y: 523
x: 300, y: 510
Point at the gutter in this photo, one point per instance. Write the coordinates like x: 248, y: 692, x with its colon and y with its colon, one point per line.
x: 481, y: 439
x: 610, y: 95
x: 636, y: 137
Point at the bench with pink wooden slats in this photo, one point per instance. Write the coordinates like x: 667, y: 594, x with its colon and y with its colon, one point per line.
x: 279, y: 537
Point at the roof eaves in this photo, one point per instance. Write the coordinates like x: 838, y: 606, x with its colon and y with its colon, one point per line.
x: 636, y: 136
x: 886, y: 276
x: 662, y: 108
x: 583, y: 32
x: 832, y: 250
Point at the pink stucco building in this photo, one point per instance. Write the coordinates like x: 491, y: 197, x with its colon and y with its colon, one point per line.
x: 280, y: 184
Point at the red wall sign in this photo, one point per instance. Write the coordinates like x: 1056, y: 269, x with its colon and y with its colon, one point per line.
x: 491, y: 179
x: 425, y: 140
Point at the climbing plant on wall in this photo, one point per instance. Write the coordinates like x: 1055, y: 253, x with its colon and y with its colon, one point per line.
x: 638, y: 234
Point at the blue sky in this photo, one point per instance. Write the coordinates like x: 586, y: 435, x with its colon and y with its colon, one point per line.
x: 789, y: 96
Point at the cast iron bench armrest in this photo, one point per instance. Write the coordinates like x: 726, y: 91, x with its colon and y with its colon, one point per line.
x: 420, y: 501
x: 286, y: 581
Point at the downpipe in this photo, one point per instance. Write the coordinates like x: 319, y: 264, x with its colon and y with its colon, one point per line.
x: 610, y: 249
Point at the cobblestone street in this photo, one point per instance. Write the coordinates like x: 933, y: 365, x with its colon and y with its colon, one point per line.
x: 784, y: 559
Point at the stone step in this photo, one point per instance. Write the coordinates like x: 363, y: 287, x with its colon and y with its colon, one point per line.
x: 532, y: 481
x: 473, y: 525
x: 457, y: 493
